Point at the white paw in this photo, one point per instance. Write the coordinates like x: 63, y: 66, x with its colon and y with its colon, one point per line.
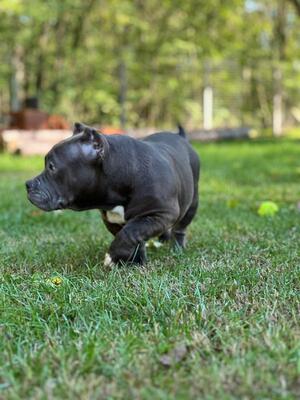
x: 107, y: 261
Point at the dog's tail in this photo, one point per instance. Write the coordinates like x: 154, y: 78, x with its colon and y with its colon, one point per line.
x: 181, y: 131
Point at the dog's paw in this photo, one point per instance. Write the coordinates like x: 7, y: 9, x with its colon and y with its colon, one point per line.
x: 108, y: 262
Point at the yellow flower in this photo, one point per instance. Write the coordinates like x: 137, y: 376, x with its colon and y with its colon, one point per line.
x: 56, y: 280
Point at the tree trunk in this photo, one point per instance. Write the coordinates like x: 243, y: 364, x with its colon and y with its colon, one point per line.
x: 16, y: 79
x: 277, y: 103
x: 280, y: 43
x: 207, y: 99
x: 207, y: 107
x: 296, y: 4
x: 123, y: 93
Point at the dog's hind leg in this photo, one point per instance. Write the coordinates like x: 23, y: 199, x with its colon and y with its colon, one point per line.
x: 180, y: 228
x: 166, y: 236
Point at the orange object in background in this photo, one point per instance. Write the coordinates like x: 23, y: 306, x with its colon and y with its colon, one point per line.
x: 110, y: 130
x: 33, y: 119
x: 27, y: 119
x: 57, y: 122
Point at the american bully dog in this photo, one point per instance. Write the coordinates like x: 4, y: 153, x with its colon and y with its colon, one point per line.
x: 144, y: 188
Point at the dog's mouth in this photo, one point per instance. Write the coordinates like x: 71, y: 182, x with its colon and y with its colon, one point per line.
x: 44, y: 202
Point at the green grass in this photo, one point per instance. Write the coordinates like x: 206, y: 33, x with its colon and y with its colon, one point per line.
x: 232, y: 298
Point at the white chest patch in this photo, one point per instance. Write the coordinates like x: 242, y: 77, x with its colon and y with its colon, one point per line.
x: 116, y: 215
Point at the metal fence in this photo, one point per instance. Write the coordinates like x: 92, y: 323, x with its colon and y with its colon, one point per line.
x: 264, y: 95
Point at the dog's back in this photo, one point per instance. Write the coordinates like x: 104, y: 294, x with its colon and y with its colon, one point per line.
x: 185, y: 162
x: 178, y: 147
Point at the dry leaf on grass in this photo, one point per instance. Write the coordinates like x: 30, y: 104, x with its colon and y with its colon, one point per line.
x: 36, y: 213
x: 174, y: 356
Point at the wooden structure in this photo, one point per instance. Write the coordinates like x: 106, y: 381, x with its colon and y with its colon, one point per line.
x: 30, y: 118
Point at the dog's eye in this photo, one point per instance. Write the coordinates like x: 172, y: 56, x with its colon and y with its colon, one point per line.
x: 51, y: 166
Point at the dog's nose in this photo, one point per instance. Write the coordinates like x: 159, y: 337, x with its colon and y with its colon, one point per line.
x: 28, y: 185
x: 32, y: 184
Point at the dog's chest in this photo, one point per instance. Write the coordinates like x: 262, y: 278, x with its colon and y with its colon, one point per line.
x: 116, y: 215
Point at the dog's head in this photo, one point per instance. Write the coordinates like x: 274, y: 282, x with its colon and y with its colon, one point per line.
x: 72, y: 172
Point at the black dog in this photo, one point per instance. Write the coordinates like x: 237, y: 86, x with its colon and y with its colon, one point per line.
x: 144, y: 188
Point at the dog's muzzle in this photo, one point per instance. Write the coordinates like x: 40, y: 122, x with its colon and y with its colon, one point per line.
x: 41, y: 198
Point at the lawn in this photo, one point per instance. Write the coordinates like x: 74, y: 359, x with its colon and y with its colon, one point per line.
x: 220, y: 321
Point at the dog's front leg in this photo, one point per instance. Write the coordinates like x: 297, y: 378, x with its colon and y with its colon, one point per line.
x: 129, y: 242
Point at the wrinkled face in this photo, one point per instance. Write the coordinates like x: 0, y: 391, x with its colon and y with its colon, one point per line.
x: 72, y: 172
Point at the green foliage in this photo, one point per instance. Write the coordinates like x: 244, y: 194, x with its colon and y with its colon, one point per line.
x: 71, y: 53
x: 71, y: 329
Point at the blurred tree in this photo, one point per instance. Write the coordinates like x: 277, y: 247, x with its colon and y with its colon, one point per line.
x: 296, y: 3
x: 135, y: 62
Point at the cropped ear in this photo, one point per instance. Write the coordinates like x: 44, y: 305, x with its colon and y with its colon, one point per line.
x: 98, y: 142
x: 78, y: 128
